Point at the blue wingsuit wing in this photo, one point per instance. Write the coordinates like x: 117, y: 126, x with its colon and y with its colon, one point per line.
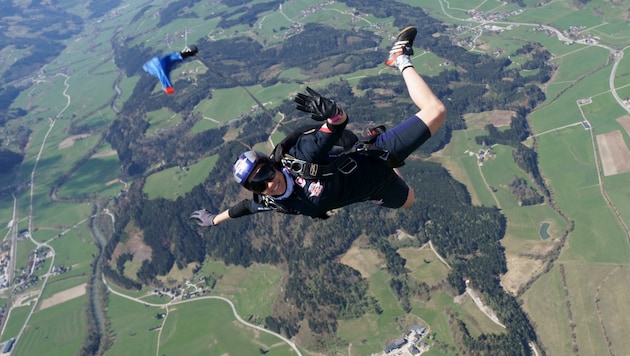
x: 160, y: 67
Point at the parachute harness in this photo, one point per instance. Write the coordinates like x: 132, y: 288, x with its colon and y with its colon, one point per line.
x: 343, y: 163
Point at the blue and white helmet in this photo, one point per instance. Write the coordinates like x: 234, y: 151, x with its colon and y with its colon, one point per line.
x: 244, y: 166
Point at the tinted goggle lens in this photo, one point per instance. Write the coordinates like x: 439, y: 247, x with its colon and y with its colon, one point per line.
x: 265, y: 174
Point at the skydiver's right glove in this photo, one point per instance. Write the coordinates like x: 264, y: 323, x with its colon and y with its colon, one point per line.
x: 203, y: 217
x: 320, y: 108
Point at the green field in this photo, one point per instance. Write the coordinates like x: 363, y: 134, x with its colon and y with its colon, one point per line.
x: 372, y: 331
x: 595, y: 257
x: 214, y: 332
x: 16, y: 320
x: 56, y: 330
x: 99, y: 175
x: 142, y: 330
x: 133, y: 323
x: 253, y: 290
x: 181, y: 180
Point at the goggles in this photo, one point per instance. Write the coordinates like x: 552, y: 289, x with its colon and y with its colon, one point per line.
x: 259, y: 181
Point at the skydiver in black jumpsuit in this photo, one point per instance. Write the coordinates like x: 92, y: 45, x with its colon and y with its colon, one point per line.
x: 365, y: 177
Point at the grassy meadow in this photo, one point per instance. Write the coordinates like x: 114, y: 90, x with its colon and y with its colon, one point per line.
x: 181, y: 179
x: 58, y: 330
x: 214, y: 333
x: 594, y: 260
x: 14, y: 324
x: 133, y: 325
x: 370, y: 332
x: 569, y: 164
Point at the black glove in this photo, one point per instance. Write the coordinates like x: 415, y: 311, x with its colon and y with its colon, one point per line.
x: 203, y: 217
x: 320, y: 108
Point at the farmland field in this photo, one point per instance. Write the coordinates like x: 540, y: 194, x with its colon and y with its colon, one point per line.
x: 577, y: 302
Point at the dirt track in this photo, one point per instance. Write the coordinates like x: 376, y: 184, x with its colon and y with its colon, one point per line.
x: 63, y: 296
x: 614, y: 153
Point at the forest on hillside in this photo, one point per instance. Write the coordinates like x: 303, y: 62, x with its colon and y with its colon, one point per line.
x: 321, y: 289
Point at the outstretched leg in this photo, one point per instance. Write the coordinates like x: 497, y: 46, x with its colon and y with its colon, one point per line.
x: 432, y: 111
x: 407, y: 136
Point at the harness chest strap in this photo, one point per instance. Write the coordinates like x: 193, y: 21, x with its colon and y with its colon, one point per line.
x: 309, y: 170
x: 343, y: 163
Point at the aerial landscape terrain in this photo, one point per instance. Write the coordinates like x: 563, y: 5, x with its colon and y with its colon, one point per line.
x: 518, y: 243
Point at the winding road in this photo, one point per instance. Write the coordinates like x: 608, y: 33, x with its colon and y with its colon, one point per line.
x: 238, y: 317
x: 13, y: 259
x: 617, y: 55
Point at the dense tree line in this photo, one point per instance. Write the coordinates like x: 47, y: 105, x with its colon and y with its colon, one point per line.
x: 120, y: 279
x: 7, y: 95
x: 8, y: 160
x: 140, y: 14
x: 175, y: 10
x: 130, y: 60
x: 246, y: 14
x: 41, y: 51
x: 52, y: 26
x: 518, y: 132
x: 99, y: 8
x: 232, y: 3
x: 526, y: 159
x: 525, y: 194
x: 395, y: 263
x: 319, y: 289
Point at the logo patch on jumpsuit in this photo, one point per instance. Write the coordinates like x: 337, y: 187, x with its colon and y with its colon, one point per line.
x: 315, y: 189
x: 300, y: 181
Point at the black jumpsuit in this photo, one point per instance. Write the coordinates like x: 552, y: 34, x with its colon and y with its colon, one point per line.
x: 373, y: 179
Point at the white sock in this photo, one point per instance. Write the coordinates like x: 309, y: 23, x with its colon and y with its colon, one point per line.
x: 403, y: 61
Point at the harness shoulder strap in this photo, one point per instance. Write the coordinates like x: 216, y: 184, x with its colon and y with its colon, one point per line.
x: 285, y: 145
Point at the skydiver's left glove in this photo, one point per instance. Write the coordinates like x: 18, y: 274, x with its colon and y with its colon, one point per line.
x: 203, y: 217
x: 320, y: 108
x: 189, y: 51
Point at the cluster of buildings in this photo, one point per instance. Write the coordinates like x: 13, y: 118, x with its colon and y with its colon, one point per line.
x: 25, y: 277
x: 480, y: 16
x: 189, y: 290
x: 410, y: 344
x: 488, y: 21
x: 5, y: 258
x: 484, y: 154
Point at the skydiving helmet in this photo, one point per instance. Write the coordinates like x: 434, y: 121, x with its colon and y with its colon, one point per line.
x: 245, y: 165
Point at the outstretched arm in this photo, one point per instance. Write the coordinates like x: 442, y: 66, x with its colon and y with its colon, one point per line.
x: 221, y: 217
x: 204, y: 218
x: 245, y: 207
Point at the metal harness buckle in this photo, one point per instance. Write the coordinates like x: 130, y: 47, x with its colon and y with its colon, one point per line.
x: 362, y: 147
x: 348, y: 166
